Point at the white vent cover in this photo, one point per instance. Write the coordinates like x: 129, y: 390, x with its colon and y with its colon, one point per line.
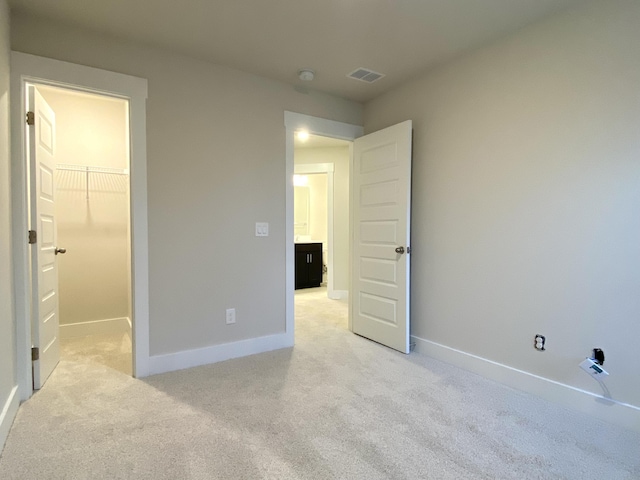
x: 365, y: 75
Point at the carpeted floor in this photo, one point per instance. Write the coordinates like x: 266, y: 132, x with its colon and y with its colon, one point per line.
x: 335, y: 407
x: 113, y: 351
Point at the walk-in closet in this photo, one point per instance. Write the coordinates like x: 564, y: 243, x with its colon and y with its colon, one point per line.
x: 92, y: 220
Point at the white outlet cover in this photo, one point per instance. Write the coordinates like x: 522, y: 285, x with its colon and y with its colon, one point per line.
x: 262, y: 229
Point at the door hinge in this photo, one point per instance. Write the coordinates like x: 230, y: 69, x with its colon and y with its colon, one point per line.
x: 31, y: 118
x: 35, y: 354
x: 33, y: 236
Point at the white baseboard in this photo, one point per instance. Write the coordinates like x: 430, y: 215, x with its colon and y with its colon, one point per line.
x: 8, y: 413
x: 217, y: 353
x: 338, y: 294
x: 611, y: 411
x: 96, y: 327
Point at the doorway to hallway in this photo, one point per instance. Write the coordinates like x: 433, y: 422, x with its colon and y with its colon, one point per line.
x: 380, y: 221
x: 321, y: 218
x: 321, y: 205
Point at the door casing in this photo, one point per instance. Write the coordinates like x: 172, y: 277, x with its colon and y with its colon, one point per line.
x: 39, y: 70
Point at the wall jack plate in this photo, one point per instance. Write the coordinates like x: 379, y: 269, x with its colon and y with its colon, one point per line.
x: 590, y: 366
x: 262, y: 229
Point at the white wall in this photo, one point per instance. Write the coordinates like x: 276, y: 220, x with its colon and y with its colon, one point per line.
x: 526, y: 197
x: 8, y: 400
x: 339, y: 156
x: 216, y: 165
x: 94, y: 274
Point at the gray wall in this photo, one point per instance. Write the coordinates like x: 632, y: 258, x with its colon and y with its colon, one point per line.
x: 7, y: 335
x: 216, y: 165
x: 526, y: 197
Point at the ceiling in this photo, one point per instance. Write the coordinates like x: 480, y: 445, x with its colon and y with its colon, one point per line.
x: 276, y: 38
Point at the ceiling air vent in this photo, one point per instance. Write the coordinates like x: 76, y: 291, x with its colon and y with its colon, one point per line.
x: 365, y: 75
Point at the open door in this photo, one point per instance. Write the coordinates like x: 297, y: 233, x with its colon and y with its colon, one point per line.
x: 381, y: 233
x: 44, y: 272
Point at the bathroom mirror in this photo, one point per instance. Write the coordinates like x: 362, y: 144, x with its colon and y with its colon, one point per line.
x: 300, y: 210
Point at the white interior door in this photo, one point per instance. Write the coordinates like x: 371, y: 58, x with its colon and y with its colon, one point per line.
x: 381, y: 232
x: 45, y: 316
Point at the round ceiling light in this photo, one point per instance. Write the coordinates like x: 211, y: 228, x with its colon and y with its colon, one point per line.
x: 306, y: 74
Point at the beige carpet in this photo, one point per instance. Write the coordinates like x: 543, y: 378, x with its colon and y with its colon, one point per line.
x: 335, y: 407
x: 113, y: 351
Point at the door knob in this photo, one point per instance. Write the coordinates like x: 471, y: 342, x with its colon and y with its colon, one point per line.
x: 60, y: 250
x: 399, y: 249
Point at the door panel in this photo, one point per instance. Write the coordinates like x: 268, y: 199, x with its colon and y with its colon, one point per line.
x: 302, y: 270
x: 45, y: 325
x: 381, y: 223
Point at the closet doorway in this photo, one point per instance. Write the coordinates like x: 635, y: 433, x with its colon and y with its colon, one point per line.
x: 92, y: 227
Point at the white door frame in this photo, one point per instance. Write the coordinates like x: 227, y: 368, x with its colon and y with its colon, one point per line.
x: 33, y: 69
x: 294, y: 122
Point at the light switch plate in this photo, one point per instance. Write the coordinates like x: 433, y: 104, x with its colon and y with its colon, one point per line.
x: 262, y: 229
x: 230, y: 316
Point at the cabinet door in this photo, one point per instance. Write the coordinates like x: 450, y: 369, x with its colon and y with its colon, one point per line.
x: 308, y: 265
x: 302, y: 268
x: 315, y: 266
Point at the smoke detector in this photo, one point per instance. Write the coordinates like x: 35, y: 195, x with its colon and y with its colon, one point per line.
x: 365, y: 75
x: 306, y: 74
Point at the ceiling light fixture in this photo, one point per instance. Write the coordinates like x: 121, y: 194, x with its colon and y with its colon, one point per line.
x: 300, y: 180
x: 302, y: 135
x: 306, y: 74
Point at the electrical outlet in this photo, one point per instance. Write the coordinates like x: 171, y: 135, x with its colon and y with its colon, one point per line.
x: 231, y: 316
x: 539, y: 342
x: 262, y: 229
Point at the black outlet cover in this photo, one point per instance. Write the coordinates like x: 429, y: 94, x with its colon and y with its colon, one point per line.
x: 598, y: 355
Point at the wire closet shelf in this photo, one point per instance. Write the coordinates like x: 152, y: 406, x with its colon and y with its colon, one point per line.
x: 90, y: 169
